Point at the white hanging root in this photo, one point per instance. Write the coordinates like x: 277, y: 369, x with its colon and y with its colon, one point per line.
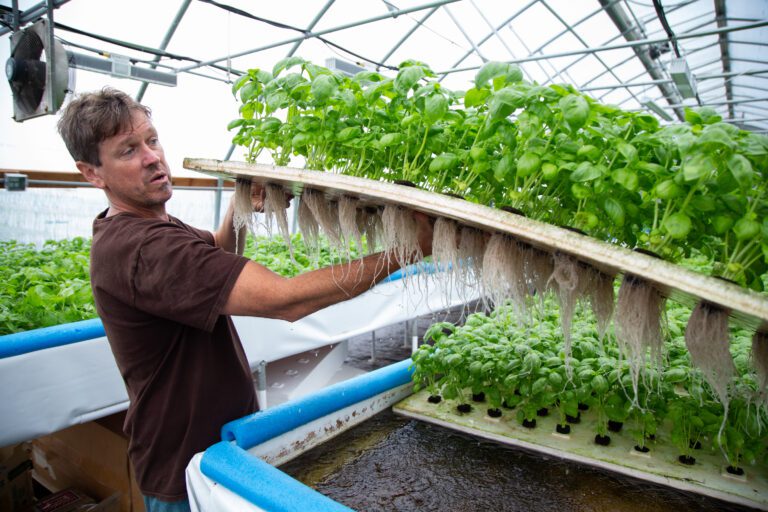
x: 348, y: 223
x: 706, y: 337
x: 707, y: 340
x: 539, y: 266
x: 602, y: 298
x: 503, y: 272
x: 445, y: 251
x: 243, y: 213
x: 310, y: 230
x: 324, y: 214
x: 399, y: 235
x: 639, y: 308
x: 471, y: 254
x: 759, y: 358
x: 276, y: 210
x: 566, y: 276
x: 372, y: 228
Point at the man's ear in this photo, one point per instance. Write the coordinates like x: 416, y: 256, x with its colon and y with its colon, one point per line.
x: 90, y: 174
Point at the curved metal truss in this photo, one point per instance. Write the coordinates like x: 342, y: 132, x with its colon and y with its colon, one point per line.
x: 637, y: 54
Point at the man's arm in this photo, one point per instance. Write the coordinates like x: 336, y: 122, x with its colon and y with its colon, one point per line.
x: 260, y: 292
x: 225, y: 236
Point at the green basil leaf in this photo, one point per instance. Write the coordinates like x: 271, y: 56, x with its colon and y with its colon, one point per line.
x: 709, y: 115
x: 746, y: 228
x: 491, y: 70
x: 435, y: 107
x: 581, y: 191
x: 697, y: 166
x: 650, y: 167
x: 391, y: 139
x: 287, y: 63
x: 349, y: 99
x: 586, y: 171
x: 615, y: 211
x: 504, y: 168
x: 478, y: 153
x: 714, y: 138
x: 575, y: 110
x: 589, y: 152
x: 628, y: 151
x: 407, y: 78
x: 323, y: 87
x: 247, y: 110
x: 443, y: 162
x: 363, y: 77
x: 249, y: 91
x: 475, y: 97
x: 528, y: 164
x: 276, y: 100
x: 349, y: 133
x: 505, y: 101
x: 678, y: 225
x: 549, y: 171
x: 703, y: 203
x: 741, y: 169
x: 721, y: 224
x: 239, y: 83
x: 626, y: 177
x: 271, y: 125
x: 235, y: 123
x: 692, y: 117
x: 668, y: 190
x: 301, y: 139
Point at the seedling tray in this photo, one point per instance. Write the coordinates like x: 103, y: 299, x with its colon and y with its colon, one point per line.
x: 660, y: 465
x: 747, y: 308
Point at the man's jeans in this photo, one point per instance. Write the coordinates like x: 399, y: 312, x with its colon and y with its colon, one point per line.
x: 156, y: 505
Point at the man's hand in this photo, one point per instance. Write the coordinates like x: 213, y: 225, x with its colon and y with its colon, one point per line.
x: 258, y: 196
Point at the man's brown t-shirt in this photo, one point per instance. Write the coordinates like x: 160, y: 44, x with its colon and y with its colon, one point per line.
x: 159, y: 289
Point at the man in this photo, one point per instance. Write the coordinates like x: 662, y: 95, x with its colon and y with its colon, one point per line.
x: 165, y: 290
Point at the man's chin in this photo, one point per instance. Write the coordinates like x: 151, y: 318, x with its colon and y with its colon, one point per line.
x: 161, y: 197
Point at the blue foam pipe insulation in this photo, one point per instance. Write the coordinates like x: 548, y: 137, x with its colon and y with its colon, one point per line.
x: 267, y: 487
x: 261, y: 426
x: 47, y: 337
x: 411, y: 270
x: 262, y: 484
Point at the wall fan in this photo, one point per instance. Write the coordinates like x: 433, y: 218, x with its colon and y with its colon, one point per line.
x: 37, y: 72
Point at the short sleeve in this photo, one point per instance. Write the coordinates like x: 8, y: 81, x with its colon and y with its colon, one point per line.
x: 182, y: 277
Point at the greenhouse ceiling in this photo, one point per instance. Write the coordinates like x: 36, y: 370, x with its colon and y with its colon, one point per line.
x: 655, y: 55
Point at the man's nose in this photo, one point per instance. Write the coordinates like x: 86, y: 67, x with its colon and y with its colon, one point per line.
x: 150, y: 155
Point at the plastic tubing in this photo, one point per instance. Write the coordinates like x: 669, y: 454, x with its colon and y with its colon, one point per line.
x: 262, y: 484
x: 411, y: 270
x: 229, y: 464
x: 261, y: 426
x: 38, y: 339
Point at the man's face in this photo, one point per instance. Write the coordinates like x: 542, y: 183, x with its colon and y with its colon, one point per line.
x: 133, y: 170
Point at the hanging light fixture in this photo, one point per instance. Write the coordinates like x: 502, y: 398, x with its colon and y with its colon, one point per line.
x: 683, y: 78
x: 655, y: 108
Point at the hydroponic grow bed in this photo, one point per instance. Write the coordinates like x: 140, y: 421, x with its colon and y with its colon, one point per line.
x: 707, y: 476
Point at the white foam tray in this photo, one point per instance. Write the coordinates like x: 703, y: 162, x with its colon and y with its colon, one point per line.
x: 660, y: 465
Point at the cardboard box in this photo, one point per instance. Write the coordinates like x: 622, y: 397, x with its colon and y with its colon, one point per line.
x: 74, y: 500
x: 93, y: 458
x: 16, y: 494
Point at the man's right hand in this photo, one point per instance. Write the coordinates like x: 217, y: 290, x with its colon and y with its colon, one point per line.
x: 258, y: 196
